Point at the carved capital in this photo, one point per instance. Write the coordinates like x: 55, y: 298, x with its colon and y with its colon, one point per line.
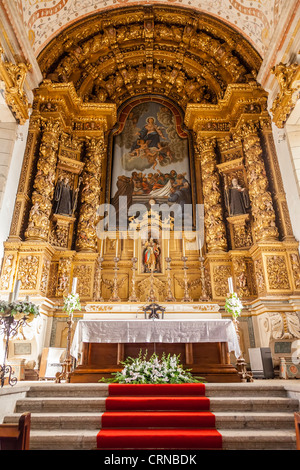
x: 13, y: 76
x: 288, y: 77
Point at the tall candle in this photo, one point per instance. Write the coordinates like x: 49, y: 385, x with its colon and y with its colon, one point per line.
x: 200, y: 246
x: 168, y: 248
x: 134, y: 247
x: 117, y: 248
x: 101, y: 249
x: 74, y: 285
x: 183, y: 244
x: 230, y: 285
x: 16, y: 290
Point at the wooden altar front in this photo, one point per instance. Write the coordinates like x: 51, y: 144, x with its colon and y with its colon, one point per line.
x: 204, y: 346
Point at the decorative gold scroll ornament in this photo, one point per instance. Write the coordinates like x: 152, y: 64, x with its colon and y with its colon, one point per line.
x: 288, y: 77
x: 13, y: 76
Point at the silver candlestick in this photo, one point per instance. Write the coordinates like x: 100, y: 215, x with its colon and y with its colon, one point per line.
x: 133, y: 297
x: 115, y: 295
x: 151, y: 297
x: 186, y: 297
x: 170, y: 297
x: 204, y: 296
x: 98, y: 289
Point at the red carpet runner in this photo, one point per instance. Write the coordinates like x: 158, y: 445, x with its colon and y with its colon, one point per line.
x: 158, y: 417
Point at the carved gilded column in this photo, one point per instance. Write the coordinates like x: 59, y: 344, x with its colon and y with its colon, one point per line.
x: 90, y: 195
x: 23, y: 202
x: 261, y: 200
x: 215, y: 230
x: 275, y: 179
x: 38, y: 226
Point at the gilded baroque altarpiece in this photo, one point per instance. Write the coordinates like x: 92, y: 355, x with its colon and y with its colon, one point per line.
x: 193, y: 79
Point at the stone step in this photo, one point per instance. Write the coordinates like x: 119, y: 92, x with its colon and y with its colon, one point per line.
x: 258, y: 439
x: 253, y: 404
x: 250, y: 420
x: 224, y: 420
x: 99, y: 389
x: 62, y: 404
x: 68, y: 390
x: 59, y: 421
x: 244, y: 390
x: 232, y: 440
x: 88, y: 404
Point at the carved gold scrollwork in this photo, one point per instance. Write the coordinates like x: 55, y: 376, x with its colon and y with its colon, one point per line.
x: 90, y: 195
x: 13, y: 76
x: 215, y: 231
x: 261, y: 200
x: 38, y: 226
x: 288, y: 77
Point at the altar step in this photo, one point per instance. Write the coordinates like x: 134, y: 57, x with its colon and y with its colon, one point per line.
x: 249, y: 416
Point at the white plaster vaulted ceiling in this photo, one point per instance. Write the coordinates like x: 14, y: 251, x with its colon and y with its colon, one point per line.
x: 255, y: 19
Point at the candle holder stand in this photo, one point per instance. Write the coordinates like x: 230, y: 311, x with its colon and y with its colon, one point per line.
x: 9, y: 327
x: 67, y: 365
x: 186, y: 297
x: 133, y: 297
x: 98, y: 296
x: 115, y: 292
x: 170, y: 297
x: 204, y: 295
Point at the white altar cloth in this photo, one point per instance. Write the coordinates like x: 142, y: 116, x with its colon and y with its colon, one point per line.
x: 155, y: 331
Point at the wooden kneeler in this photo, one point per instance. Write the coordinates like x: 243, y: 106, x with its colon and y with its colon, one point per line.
x: 16, y: 436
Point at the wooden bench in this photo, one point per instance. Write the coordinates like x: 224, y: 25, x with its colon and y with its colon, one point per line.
x: 16, y: 436
x: 297, y: 428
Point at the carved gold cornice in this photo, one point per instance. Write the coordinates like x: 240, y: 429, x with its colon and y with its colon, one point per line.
x: 13, y: 76
x: 60, y: 100
x: 240, y: 102
x: 288, y: 77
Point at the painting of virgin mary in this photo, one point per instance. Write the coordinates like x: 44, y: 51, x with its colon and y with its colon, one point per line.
x: 153, y: 158
x: 150, y: 134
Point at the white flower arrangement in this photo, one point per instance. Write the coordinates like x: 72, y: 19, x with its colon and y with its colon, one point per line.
x: 233, y: 305
x: 71, y: 303
x: 153, y: 371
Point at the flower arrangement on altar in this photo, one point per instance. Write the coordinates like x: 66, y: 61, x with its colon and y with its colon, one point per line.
x: 153, y: 371
x: 233, y: 305
x: 71, y: 303
x: 19, y: 309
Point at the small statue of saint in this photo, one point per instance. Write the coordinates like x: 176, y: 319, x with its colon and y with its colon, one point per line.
x: 151, y: 256
x: 63, y: 197
x: 237, y: 199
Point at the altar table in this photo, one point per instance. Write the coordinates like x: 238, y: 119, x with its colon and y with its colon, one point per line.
x: 203, y: 345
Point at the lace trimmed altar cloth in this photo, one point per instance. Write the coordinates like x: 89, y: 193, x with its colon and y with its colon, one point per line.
x: 155, y: 331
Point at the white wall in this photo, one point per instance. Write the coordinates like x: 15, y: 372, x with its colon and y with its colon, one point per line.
x: 12, y: 148
x: 288, y: 174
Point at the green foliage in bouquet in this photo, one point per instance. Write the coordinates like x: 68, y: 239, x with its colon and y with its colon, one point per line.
x: 18, y: 309
x: 233, y: 305
x: 153, y: 371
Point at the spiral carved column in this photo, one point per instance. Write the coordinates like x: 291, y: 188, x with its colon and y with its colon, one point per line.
x: 215, y: 230
x: 261, y: 200
x: 90, y: 196
x: 38, y: 226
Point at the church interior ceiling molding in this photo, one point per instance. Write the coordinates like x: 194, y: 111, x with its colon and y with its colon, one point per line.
x: 256, y: 20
